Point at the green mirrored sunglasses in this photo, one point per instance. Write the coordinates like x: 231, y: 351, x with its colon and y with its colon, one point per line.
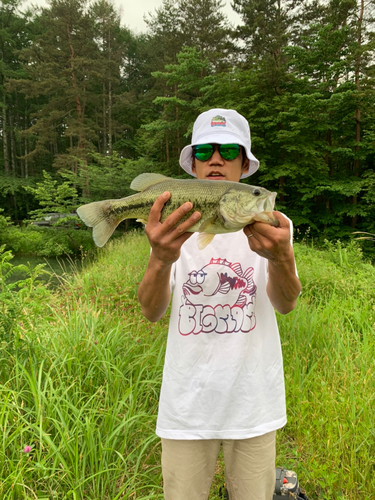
x: 203, y: 152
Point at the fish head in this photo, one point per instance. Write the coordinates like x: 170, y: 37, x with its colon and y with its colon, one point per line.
x: 240, y: 207
x: 194, y: 286
x: 202, y: 283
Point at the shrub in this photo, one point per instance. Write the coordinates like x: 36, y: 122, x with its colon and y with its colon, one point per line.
x: 46, y: 242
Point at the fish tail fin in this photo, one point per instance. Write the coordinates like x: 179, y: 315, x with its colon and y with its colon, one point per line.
x: 95, y: 215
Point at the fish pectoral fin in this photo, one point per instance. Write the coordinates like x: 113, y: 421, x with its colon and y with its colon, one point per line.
x: 206, y: 224
x: 204, y: 239
x: 143, y: 181
x: 224, y: 288
x: 142, y: 221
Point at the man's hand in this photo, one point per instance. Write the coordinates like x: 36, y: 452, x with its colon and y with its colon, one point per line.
x: 167, y: 238
x: 273, y: 243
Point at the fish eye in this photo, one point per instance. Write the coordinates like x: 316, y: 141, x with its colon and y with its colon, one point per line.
x: 256, y: 192
x: 201, y: 277
x: 193, y: 277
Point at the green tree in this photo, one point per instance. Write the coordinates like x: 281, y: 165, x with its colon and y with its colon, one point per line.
x: 332, y: 61
x: 53, y: 196
x: 198, y: 34
x: 61, y: 66
x: 204, y: 26
x: 15, y: 34
x: 179, y: 110
x: 265, y: 32
x: 112, y: 41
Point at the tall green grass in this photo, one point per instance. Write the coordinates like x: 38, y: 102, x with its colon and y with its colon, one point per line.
x: 329, y: 353
x: 81, y: 371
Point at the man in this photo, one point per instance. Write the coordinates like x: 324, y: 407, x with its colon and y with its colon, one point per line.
x: 223, y: 380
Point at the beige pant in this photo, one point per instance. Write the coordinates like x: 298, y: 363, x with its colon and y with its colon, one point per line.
x: 189, y: 467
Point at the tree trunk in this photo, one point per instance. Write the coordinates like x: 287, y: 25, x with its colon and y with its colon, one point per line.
x: 26, y: 164
x: 5, y: 137
x: 79, y: 104
x: 110, y: 145
x: 13, y: 145
x: 357, y: 115
x: 104, y: 150
x: 110, y: 126
x: 282, y: 186
x: 166, y: 148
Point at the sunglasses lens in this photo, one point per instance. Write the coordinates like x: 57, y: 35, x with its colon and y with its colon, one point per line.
x: 203, y: 152
x: 229, y: 151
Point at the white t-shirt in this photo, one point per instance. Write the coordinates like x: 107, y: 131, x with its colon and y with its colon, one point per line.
x: 223, y: 373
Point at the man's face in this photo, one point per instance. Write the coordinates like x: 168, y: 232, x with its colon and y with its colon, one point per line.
x: 217, y: 168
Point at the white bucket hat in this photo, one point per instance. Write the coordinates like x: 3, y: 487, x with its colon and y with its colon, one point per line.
x: 220, y: 126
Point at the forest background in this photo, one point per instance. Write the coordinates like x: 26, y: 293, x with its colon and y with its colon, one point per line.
x: 86, y: 104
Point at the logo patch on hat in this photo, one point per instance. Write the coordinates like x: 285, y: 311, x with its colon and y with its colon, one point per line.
x: 218, y: 121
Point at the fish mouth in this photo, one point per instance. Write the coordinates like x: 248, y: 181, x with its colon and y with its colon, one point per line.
x: 267, y: 204
x: 266, y: 208
x: 187, y: 290
x: 272, y: 200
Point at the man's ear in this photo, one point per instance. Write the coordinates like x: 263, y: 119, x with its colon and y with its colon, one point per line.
x: 193, y: 165
x: 245, y: 166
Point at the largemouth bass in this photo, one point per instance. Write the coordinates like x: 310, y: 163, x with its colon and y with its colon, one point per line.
x: 225, y: 206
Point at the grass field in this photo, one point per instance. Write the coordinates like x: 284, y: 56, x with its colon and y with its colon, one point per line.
x: 81, y: 370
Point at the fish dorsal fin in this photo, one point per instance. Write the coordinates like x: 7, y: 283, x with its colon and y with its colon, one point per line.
x: 146, y: 180
x: 204, y: 239
x: 237, y: 268
x: 249, y: 274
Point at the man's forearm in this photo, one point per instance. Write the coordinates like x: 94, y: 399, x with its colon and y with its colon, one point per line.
x: 283, y: 287
x: 154, y: 290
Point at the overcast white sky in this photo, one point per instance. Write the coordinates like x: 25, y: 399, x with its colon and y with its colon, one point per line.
x: 133, y: 11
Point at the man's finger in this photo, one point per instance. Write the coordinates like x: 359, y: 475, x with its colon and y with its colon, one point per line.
x: 157, y: 207
x: 263, y: 229
x: 171, y: 225
x: 181, y: 229
x: 175, y: 217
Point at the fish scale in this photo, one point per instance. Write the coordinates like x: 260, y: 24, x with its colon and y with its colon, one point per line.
x: 224, y: 206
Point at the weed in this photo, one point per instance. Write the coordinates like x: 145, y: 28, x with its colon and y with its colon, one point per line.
x: 81, y: 396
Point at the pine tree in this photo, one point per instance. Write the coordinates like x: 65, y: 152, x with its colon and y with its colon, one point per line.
x: 194, y: 35
x: 332, y: 61
x: 205, y: 27
x: 14, y: 35
x: 181, y: 108
x: 112, y: 41
x: 61, y: 66
x: 265, y: 32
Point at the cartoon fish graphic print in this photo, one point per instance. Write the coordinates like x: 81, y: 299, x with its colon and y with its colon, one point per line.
x: 219, y: 298
x: 220, y: 282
